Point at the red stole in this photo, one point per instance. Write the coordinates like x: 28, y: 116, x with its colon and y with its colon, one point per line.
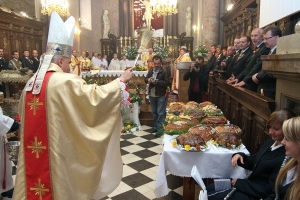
x: 36, y: 147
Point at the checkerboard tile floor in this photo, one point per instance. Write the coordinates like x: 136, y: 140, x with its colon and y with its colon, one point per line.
x: 140, y: 154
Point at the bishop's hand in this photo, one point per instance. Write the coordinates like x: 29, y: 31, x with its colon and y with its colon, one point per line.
x: 127, y: 75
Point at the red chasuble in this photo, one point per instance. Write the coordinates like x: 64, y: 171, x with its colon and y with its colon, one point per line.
x: 36, y: 148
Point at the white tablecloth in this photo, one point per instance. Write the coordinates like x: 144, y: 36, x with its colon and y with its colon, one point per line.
x: 213, y: 163
x: 113, y: 73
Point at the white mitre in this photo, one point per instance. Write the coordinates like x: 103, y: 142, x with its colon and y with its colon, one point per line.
x: 60, y: 43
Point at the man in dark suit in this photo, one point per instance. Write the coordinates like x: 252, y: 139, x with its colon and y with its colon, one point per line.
x: 229, y: 57
x: 36, y: 61
x: 255, y: 64
x: 26, y: 61
x: 266, y: 82
x: 229, y: 67
x: 3, y: 66
x: 212, y: 61
x: 243, y: 58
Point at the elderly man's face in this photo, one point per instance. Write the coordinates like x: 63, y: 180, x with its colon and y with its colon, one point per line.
x: 256, y: 37
x: 83, y: 54
x: 74, y: 53
x: 34, y: 53
x: 64, y: 64
x: 230, y: 51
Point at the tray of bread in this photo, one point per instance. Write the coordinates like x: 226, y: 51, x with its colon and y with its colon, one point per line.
x: 189, y: 142
x: 228, y: 136
x: 200, y: 126
x: 182, y: 116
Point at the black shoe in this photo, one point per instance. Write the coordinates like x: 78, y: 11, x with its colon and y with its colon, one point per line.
x: 154, y: 131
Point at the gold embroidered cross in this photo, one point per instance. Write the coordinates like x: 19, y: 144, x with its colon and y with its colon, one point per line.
x: 39, y: 189
x: 36, y: 147
x: 34, y: 104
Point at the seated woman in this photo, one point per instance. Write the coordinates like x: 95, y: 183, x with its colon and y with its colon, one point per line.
x: 265, y: 164
x: 288, y: 182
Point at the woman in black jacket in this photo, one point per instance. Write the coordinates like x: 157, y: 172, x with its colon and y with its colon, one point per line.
x: 198, y: 75
x: 264, y: 165
x: 288, y: 180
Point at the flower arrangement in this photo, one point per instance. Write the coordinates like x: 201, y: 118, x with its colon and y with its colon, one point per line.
x: 129, y: 127
x: 130, y: 52
x: 95, y: 79
x: 135, y: 97
x: 140, y: 68
x: 161, y: 51
x: 200, y: 51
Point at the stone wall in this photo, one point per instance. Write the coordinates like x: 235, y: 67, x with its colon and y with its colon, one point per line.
x: 90, y: 39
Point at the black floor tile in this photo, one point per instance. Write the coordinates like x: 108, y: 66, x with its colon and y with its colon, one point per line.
x: 125, y: 143
x: 174, y: 182
x: 136, y: 180
x: 149, y: 136
x: 149, y: 130
x: 131, y: 194
x: 123, y: 152
x: 148, y: 144
x: 171, y: 196
x: 144, y: 153
x: 141, y: 165
x: 128, y: 136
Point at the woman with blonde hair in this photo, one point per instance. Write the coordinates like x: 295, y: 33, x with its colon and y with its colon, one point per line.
x: 265, y: 165
x: 288, y: 182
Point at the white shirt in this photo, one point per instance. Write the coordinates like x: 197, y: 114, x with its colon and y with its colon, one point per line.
x: 271, y: 51
x: 124, y: 64
x: 95, y: 61
x: 105, y: 64
x: 114, y: 65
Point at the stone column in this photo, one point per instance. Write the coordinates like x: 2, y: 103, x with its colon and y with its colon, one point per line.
x: 210, y: 22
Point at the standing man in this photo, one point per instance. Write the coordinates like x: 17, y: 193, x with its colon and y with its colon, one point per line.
x: 75, y: 63
x: 198, y: 80
x: 85, y: 62
x: 36, y: 61
x: 15, y: 63
x: 148, y: 59
x: 243, y: 58
x: 266, y: 82
x: 124, y: 63
x: 255, y: 64
x: 68, y: 150
x: 114, y: 63
x: 236, y: 44
x: 26, y: 61
x: 158, y: 80
x: 95, y: 60
x: 3, y: 66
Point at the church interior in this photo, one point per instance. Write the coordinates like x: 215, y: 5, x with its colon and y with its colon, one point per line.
x: 112, y: 36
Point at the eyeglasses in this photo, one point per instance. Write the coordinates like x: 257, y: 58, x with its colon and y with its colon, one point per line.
x: 268, y: 38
